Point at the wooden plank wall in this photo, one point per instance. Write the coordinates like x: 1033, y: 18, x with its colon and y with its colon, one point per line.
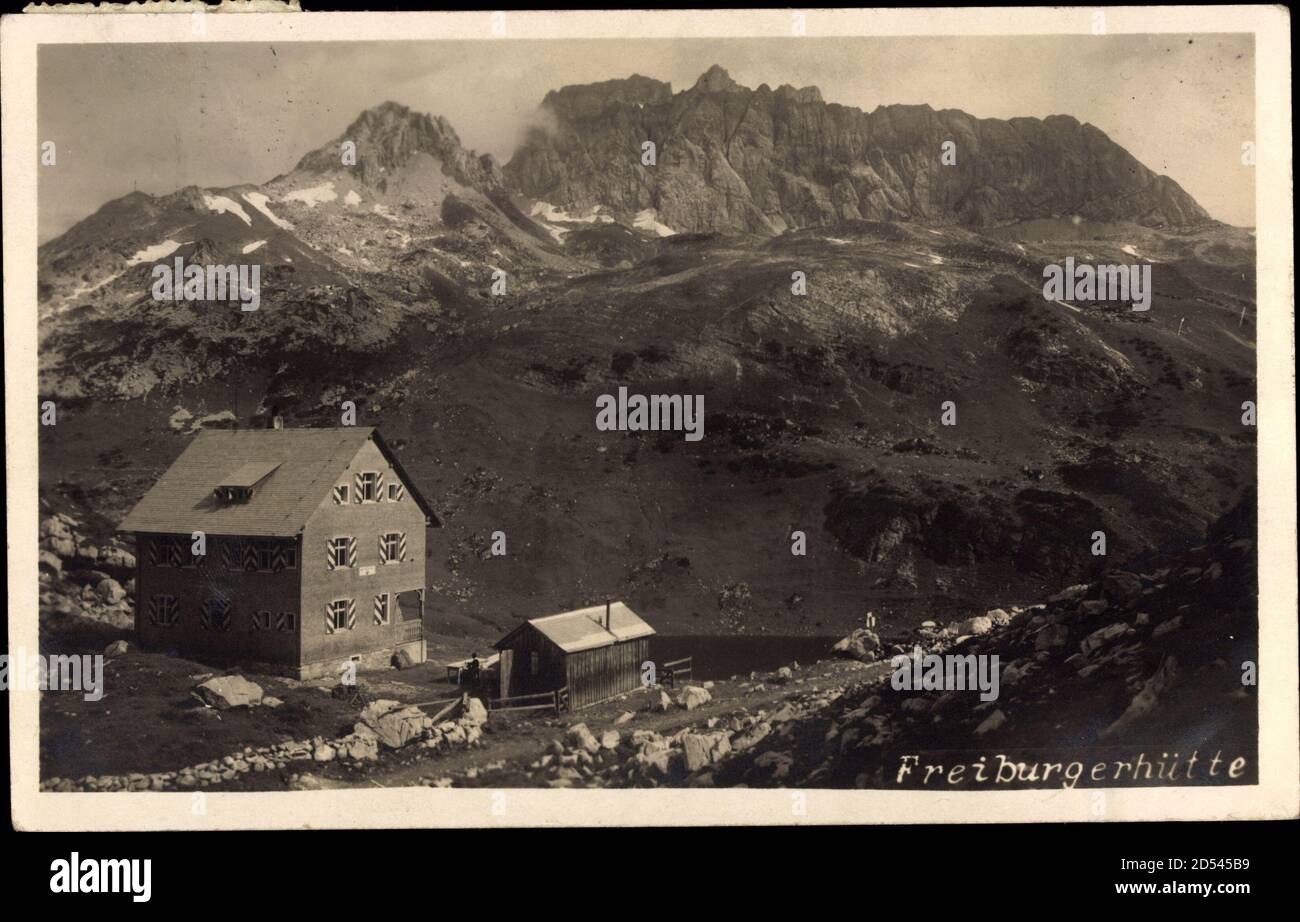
x: 602, y: 673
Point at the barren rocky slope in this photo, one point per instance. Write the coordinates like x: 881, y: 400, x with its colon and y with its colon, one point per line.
x: 822, y: 409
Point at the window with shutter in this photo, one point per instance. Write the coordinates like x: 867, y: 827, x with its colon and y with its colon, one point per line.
x: 342, y: 552
x: 164, y: 610
x: 340, y: 615
x: 215, y: 615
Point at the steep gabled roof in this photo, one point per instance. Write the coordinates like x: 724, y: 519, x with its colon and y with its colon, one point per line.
x: 298, y: 469
x: 584, y: 629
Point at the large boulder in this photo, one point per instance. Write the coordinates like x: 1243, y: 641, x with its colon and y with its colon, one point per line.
x: 229, y: 691
x: 579, y: 737
x: 862, y: 645
x: 117, y: 558
x: 475, y: 712
x: 63, y: 546
x: 701, y: 749
x: 980, y: 624
x: 1121, y: 586
x: 394, y: 726
x: 116, y: 648
x: 692, y: 696
x: 110, y: 591
x: 50, y: 562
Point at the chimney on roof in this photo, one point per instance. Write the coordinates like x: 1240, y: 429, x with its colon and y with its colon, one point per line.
x: 607, y: 621
x: 277, y: 422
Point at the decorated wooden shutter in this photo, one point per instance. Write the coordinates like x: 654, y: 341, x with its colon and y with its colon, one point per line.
x: 383, y: 549
x: 356, y: 488
x: 329, y: 553
x: 379, y: 487
x: 329, y: 617
x: 381, y: 608
x: 278, y: 562
x: 284, y: 621
x: 249, y: 555
x: 215, y: 615
x: 352, y: 613
x: 352, y: 552
x: 228, y: 554
x: 401, y: 546
x: 399, y: 491
x: 340, y: 494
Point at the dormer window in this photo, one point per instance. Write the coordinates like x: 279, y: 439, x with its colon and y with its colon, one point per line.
x: 368, y: 486
x: 238, y: 485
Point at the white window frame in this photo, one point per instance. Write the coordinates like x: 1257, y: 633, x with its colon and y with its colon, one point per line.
x: 393, y: 555
x: 171, y: 603
x: 339, y: 614
x: 392, y: 487
x: 369, y: 481
x: 342, y: 542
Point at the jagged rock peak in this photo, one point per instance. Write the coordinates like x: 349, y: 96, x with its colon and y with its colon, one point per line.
x: 591, y: 99
x: 801, y: 94
x: 389, y: 134
x: 717, y: 80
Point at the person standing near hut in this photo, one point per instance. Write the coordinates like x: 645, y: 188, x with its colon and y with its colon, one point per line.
x: 472, y: 671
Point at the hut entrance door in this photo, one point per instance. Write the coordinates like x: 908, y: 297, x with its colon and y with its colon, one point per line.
x: 504, y: 667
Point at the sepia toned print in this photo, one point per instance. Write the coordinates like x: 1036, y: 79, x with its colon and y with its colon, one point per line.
x: 829, y: 414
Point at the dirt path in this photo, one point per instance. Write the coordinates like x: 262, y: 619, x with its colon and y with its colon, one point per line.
x: 518, y: 741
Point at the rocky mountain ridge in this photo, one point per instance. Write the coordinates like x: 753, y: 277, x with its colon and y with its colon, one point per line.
x: 765, y: 161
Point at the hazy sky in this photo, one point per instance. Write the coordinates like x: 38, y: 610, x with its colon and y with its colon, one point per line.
x: 158, y: 117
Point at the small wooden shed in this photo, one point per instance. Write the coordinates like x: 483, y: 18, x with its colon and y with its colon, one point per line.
x: 596, y: 652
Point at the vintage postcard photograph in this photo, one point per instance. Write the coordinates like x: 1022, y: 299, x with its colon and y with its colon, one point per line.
x: 514, y: 419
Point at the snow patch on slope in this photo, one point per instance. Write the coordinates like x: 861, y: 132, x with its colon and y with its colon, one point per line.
x: 219, y: 204
x: 157, y: 251
x: 260, y: 202
x: 255, y: 245
x: 313, y: 196
x: 648, y: 220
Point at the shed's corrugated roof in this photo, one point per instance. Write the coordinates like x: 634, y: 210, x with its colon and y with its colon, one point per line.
x: 307, y: 462
x: 584, y: 629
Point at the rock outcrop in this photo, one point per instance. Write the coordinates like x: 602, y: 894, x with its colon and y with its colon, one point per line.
x: 1139, y: 657
x: 764, y: 161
